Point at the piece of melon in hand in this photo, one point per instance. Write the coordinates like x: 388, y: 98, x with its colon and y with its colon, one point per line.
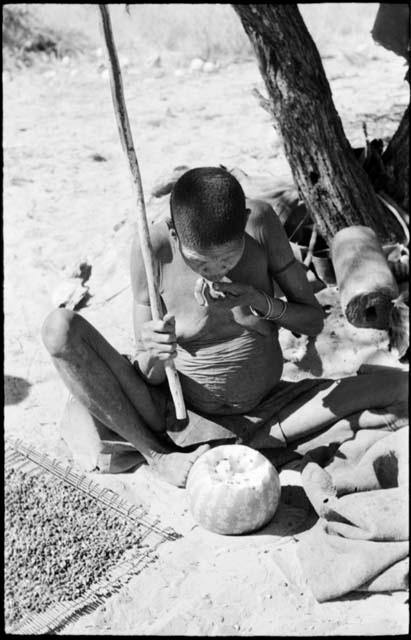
x: 233, y: 489
x: 202, y: 285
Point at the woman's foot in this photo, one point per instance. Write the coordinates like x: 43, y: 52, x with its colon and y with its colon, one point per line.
x: 175, y: 466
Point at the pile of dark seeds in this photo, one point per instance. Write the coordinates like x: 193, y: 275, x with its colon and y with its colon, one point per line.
x: 58, y: 543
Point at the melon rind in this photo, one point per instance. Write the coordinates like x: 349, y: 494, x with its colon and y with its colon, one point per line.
x: 232, y: 504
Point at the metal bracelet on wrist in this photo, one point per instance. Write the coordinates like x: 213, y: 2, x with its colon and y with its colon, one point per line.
x: 268, y: 315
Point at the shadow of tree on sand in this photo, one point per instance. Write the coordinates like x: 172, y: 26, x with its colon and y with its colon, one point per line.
x: 15, y: 389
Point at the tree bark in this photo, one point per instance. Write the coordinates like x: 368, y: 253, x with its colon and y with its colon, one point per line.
x: 334, y: 186
x: 396, y: 160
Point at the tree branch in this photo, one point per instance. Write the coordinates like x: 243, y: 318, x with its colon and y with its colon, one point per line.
x: 334, y: 186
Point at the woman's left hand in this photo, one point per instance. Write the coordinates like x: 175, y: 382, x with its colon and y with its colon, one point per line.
x: 235, y: 294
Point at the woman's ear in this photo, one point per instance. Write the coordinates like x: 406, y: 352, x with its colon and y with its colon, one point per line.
x: 247, y: 212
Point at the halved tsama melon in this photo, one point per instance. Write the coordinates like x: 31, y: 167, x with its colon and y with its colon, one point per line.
x: 233, y: 489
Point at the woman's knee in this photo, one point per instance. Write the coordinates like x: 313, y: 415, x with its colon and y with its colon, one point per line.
x: 400, y: 385
x: 60, y: 330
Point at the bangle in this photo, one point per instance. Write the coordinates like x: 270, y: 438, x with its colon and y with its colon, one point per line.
x: 282, y: 312
x: 269, y: 314
x: 259, y: 314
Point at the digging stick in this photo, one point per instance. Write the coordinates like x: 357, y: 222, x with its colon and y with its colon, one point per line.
x: 126, y: 138
x: 310, y: 250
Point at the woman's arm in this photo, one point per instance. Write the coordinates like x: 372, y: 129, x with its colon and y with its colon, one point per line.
x: 302, y: 313
x: 154, y: 340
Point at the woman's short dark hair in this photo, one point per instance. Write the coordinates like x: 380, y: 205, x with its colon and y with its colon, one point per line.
x: 208, y: 207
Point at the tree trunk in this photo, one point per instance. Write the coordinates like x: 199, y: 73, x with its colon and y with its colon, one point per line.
x: 396, y: 159
x: 392, y: 27
x: 330, y: 180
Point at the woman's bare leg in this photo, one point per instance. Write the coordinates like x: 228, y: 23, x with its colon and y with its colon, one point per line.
x: 110, y: 388
x: 93, y: 445
x: 364, y: 401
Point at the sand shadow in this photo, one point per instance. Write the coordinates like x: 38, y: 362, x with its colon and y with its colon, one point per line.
x: 294, y: 515
x: 386, y: 469
x: 311, y: 360
x: 354, y: 596
x: 15, y: 389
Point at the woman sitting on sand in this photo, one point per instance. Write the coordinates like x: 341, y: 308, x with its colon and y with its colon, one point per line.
x: 218, y: 263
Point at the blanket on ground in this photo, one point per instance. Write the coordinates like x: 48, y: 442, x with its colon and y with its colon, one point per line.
x: 360, y: 541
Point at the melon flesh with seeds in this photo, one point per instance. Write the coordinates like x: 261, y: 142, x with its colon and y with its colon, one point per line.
x: 233, y: 489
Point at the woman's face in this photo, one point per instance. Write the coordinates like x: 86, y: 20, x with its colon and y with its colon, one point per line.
x: 216, y: 261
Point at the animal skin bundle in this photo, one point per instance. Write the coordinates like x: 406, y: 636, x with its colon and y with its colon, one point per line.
x: 366, y: 284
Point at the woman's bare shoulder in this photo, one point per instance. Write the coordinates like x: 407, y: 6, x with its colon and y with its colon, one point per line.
x: 160, y: 241
x: 261, y: 218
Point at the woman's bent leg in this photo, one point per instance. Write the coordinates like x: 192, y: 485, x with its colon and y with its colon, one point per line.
x: 365, y: 401
x: 93, y: 445
x: 112, y: 391
x: 102, y: 380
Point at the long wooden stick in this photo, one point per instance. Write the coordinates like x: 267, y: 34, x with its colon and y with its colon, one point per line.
x: 310, y: 250
x: 126, y: 138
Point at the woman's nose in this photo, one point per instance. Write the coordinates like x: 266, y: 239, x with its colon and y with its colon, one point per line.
x: 214, y: 277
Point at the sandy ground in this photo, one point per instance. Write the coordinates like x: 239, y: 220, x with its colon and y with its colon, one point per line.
x: 62, y: 206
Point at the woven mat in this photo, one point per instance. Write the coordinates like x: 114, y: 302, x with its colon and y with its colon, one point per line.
x: 29, y: 461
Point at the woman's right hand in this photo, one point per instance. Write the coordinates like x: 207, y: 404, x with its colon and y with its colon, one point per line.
x: 159, y: 338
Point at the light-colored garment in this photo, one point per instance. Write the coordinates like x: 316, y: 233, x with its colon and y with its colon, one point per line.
x: 360, y: 541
